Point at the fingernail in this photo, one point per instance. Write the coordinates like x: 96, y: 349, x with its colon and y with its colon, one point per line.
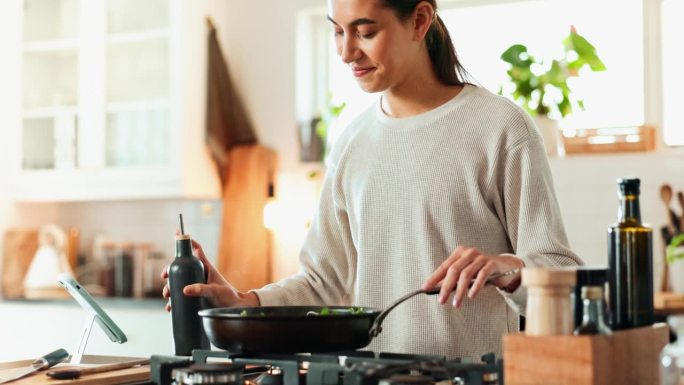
x: 441, y: 299
x: 457, y: 303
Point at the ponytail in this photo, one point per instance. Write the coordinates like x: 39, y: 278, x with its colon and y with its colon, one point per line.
x: 440, y: 47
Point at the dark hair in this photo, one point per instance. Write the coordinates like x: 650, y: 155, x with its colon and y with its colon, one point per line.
x: 440, y: 48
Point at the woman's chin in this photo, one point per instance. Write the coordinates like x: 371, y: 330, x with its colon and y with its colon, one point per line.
x: 370, y: 87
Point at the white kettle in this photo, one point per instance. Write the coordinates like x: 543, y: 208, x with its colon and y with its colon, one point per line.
x: 49, y: 261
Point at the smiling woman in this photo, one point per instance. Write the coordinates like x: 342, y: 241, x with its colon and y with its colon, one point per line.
x: 437, y: 186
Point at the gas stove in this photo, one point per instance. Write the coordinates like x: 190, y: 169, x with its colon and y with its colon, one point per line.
x: 344, y: 368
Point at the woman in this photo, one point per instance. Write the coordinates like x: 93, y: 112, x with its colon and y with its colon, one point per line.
x: 441, y: 183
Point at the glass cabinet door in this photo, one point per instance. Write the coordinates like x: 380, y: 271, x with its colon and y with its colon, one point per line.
x: 50, y: 84
x: 137, y: 131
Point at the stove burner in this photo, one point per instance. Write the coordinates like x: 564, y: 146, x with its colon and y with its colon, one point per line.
x: 273, y: 376
x: 324, y: 369
x: 212, y: 373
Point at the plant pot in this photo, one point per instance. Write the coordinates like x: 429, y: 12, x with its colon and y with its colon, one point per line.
x: 552, y: 135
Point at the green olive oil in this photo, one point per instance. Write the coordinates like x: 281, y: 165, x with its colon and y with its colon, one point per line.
x: 630, y: 259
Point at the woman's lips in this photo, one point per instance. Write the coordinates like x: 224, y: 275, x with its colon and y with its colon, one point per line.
x: 361, y: 71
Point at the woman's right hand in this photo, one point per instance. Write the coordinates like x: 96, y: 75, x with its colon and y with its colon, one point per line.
x: 217, y: 290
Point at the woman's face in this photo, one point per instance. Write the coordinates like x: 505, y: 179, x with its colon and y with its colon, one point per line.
x: 378, y: 47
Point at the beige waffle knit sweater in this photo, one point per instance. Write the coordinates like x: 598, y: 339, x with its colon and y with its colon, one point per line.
x: 401, y: 194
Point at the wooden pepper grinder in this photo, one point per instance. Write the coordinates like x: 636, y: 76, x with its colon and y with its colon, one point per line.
x: 549, y: 304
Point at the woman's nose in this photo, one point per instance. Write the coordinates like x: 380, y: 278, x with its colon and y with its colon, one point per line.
x: 347, y: 50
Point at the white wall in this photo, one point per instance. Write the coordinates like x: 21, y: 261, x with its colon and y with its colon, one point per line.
x: 587, y: 194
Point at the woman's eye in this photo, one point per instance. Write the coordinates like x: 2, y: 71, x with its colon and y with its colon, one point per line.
x: 366, y: 35
x: 339, y: 33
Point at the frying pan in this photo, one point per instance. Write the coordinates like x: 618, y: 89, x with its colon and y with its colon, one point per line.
x: 288, y: 329
x: 293, y: 329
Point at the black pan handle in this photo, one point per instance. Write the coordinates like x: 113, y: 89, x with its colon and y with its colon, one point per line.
x: 376, y: 328
x: 377, y: 323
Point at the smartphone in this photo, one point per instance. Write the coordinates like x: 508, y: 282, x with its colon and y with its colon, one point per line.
x: 87, y: 302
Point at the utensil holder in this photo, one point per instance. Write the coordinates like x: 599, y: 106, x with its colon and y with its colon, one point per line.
x: 624, y: 357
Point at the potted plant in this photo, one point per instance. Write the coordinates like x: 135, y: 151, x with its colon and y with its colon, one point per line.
x: 542, y: 88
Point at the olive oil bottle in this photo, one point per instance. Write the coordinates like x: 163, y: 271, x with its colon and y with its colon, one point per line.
x: 630, y: 262
x: 186, y: 269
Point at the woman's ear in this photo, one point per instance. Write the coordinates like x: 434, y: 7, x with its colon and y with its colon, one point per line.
x: 423, y: 17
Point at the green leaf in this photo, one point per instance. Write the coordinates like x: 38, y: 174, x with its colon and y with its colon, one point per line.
x: 674, y: 250
x: 513, y: 56
x: 565, y: 107
x: 585, y: 51
x: 556, y: 75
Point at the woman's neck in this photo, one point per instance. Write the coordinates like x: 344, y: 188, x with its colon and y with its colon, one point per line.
x: 422, y: 91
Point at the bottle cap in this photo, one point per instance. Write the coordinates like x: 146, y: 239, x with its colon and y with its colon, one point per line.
x: 591, y: 276
x: 629, y: 186
x: 592, y: 292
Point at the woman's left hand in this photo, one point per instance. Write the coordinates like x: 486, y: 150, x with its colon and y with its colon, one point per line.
x: 466, y: 265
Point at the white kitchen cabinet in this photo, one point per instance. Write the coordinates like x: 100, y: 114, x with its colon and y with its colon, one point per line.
x: 109, y: 98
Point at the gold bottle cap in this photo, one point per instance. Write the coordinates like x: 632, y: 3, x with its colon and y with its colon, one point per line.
x: 592, y: 292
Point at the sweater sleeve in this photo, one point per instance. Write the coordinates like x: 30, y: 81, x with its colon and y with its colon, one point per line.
x: 327, y: 259
x: 532, y: 215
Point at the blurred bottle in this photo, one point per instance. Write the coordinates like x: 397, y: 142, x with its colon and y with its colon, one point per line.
x: 153, y: 283
x: 592, y: 312
x: 588, y: 276
x: 630, y: 260
x: 73, y: 240
x: 123, y: 271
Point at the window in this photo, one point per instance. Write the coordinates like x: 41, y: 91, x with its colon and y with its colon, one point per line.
x: 613, y: 99
x: 673, y: 78
x: 481, y: 33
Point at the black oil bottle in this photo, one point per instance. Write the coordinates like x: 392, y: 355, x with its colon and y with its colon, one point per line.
x: 630, y: 260
x: 186, y: 269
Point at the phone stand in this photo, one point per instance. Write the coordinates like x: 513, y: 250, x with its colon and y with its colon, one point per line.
x: 83, y: 341
x: 95, y: 314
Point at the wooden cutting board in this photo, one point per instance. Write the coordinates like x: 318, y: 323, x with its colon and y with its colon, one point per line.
x: 124, y: 376
x: 19, y: 248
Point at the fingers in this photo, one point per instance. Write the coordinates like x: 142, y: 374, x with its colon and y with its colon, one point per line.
x: 165, y: 292
x: 196, y: 290
x: 454, y: 273
x: 165, y: 272
x: 168, y: 307
x: 481, y: 278
x: 465, y: 271
x: 199, y: 253
x: 441, y: 271
x: 466, y: 276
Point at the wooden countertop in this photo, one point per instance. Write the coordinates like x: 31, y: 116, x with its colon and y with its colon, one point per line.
x: 668, y: 303
x: 118, y: 377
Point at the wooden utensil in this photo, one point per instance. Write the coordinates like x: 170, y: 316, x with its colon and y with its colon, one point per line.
x: 19, y: 248
x: 72, y: 373
x: 666, y: 197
